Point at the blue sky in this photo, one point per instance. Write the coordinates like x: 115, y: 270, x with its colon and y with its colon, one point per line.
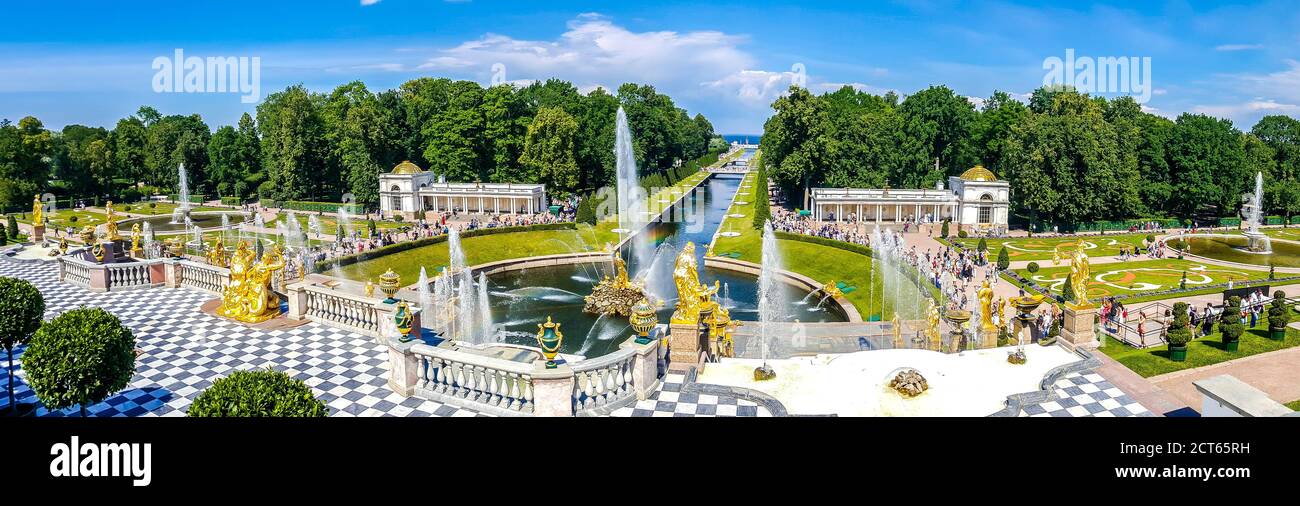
x: 89, y: 62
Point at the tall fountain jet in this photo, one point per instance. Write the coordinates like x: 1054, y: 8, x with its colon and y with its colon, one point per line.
x: 1258, y: 242
x: 770, y: 305
x: 182, y: 210
x: 631, y: 197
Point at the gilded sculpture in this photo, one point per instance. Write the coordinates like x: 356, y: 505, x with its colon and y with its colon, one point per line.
x: 616, y: 295
x: 248, y: 296
x: 110, y: 223
x: 217, y: 254
x: 136, y: 233
x: 38, y: 211
x: 932, y: 325
x: 692, y: 296
x: 1078, y: 259
x: 985, y: 294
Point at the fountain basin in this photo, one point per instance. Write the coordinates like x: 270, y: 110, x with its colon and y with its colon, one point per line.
x: 973, y: 383
x: 163, y: 223
x: 1236, y: 248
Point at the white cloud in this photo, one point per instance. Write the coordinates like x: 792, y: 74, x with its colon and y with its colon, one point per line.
x: 1238, y: 47
x: 369, y: 2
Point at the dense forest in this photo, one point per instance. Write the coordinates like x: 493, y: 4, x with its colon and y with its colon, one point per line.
x: 316, y: 146
x: 1070, y: 158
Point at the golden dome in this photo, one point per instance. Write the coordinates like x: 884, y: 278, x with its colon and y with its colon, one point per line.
x: 406, y: 167
x: 978, y: 173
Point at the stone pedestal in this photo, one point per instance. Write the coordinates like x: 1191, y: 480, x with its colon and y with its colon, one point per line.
x: 403, y: 367
x: 645, y: 368
x: 297, y: 301
x: 172, y: 273
x: 1078, y: 327
x: 552, y: 390
x: 38, y: 233
x: 388, y: 326
x: 686, y: 344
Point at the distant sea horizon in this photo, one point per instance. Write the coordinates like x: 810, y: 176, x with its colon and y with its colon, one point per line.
x: 751, y: 138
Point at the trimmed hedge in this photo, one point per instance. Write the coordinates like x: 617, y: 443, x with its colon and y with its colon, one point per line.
x: 846, y: 246
x: 347, y: 260
x: 260, y: 394
x: 232, y: 201
x: 327, y: 207
x: 194, y: 199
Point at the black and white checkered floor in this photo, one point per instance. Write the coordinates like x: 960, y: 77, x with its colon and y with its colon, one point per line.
x: 1086, y: 394
x: 182, y: 350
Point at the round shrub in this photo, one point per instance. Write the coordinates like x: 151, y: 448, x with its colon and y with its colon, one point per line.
x: 1278, y: 317
x: 80, y: 357
x: 23, y: 309
x: 1230, y: 321
x: 1151, y: 239
x: 153, y: 205
x: 1180, y: 332
x: 398, y: 218
x: 12, y: 225
x: 1032, y: 267
x: 961, y: 234
x: 72, y: 219
x: 263, y: 394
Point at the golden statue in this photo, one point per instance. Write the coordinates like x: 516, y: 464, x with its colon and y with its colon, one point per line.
x: 135, y: 241
x: 38, y: 211
x: 616, y: 295
x: 620, y: 268
x: 692, y: 296
x: 932, y: 319
x: 110, y: 223
x: 985, y: 294
x: 720, y: 329
x: 217, y: 254
x: 1078, y: 272
x: 248, y: 296
x: 897, y: 327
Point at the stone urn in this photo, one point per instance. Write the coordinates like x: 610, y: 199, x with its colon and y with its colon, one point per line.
x: 643, y: 320
x: 549, y: 338
x: 957, y: 318
x: 389, y: 283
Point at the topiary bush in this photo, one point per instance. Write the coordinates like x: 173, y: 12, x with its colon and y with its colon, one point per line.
x: 23, y: 309
x: 1004, y: 259
x: 12, y: 225
x: 1151, y: 239
x: 4, y: 237
x: 1068, y: 290
x: 943, y: 231
x: 1230, y: 323
x: 81, y: 357
x: 261, y: 394
x: 153, y: 205
x: 1180, y: 332
x: 398, y: 218
x: 72, y: 219
x: 961, y: 234
x: 1278, y: 316
x: 1032, y: 267
x: 982, y: 246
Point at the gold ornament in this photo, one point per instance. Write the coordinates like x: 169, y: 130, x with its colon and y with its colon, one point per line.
x: 98, y: 251
x: 217, y: 254
x: 248, y: 296
x: 110, y: 223
x: 985, y: 294
x: 692, y: 296
x: 370, y: 288
x: 1078, y: 271
x: 389, y: 283
x: 38, y: 210
x: 135, y: 241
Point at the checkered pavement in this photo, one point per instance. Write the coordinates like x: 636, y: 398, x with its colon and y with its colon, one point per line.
x: 671, y: 401
x: 1086, y: 394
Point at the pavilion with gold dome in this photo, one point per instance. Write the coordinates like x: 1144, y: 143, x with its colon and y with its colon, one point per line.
x: 411, y: 192
x: 976, y: 199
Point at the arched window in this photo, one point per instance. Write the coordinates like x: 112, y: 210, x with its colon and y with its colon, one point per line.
x: 986, y: 209
x: 395, y: 188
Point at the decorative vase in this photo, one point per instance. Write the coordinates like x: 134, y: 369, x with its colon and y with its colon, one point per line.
x: 389, y: 282
x: 403, y: 319
x: 370, y: 288
x: 549, y: 338
x: 643, y: 320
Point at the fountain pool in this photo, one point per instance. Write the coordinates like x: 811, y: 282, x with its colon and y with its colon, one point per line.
x: 1236, y: 248
x: 163, y: 223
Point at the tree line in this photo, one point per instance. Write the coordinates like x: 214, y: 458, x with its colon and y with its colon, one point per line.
x: 301, y: 145
x: 1071, y: 158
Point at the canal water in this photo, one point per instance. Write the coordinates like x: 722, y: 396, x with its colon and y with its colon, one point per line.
x: 522, y: 299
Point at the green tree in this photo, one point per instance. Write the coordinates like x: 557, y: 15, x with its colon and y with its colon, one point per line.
x: 24, y: 308
x: 1067, y: 291
x: 25, y: 152
x: 292, y: 143
x: 548, y: 152
x: 248, y: 394
x: 12, y: 224
x: 128, y: 149
x: 762, y: 205
x: 1004, y: 259
x: 938, y: 124
x: 80, y: 357
x: 1207, y: 161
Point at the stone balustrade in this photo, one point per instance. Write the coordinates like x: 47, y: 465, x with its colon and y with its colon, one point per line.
x: 335, y: 308
x: 98, y: 277
x: 603, y: 381
x: 205, y: 277
x: 488, y: 384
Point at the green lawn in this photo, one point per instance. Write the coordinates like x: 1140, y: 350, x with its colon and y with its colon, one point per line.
x: 1294, y: 405
x: 1036, y: 248
x: 1141, y: 276
x: 234, y: 237
x: 1201, y: 352
x: 64, y: 217
x: 484, y: 249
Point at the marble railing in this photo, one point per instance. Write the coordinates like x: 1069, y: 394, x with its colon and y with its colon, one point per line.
x: 130, y: 275
x: 340, y: 309
x: 74, y: 270
x: 603, y: 381
x: 209, y: 278
x: 489, y: 384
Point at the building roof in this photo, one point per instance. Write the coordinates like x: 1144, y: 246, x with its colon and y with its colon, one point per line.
x: 406, y: 167
x: 978, y: 173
